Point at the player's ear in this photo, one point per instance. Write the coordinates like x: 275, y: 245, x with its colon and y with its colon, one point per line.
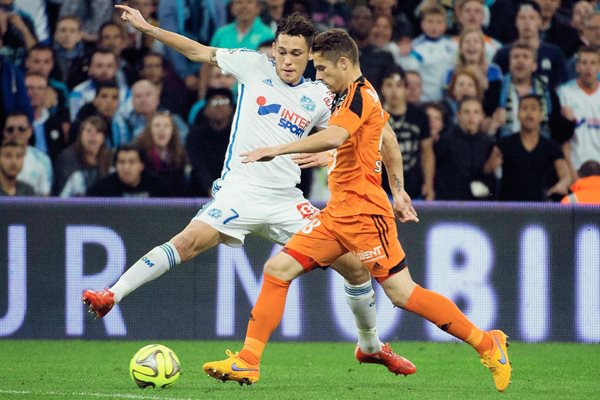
x: 310, y: 55
x: 344, y: 64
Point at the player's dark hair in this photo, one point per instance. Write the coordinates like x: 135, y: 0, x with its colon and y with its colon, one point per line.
x: 334, y: 44
x: 394, y: 70
x: 588, y: 49
x: 522, y: 45
x: 589, y: 168
x: 296, y: 24
x: 130, y: 147
x: 106, y: 84
x: 467, y: 99
x: 536, y: 97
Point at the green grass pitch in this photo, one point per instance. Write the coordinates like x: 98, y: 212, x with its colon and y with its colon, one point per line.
x: 34, y: 369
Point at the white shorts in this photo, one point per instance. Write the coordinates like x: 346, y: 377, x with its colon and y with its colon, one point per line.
x: 274, y: 214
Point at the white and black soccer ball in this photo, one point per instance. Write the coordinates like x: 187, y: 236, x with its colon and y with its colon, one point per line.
x: 154, y: 366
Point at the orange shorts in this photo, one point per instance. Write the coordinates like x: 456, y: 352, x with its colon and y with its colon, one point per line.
x: 371, y: 238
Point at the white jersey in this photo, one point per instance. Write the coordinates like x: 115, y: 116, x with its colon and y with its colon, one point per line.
x: 585, y: 144
x: 269, y: 113
x: 434, y: 56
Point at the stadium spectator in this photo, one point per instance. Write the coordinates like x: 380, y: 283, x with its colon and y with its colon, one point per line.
x: 207, y: 141
x: 37, y: 167
x: 590, y: 37
x: 272, y: 13
x: 331, y: 13
x: 169, y: 86
x: 579, y: 99
x: 414, y: 87
x: 438, y: 120
x: 461, y: 156
x: 12, y: 157
x: 146, y: 100
x: 138, y: 44
x: 112, y: 37
x: 586, y: 189
x: 91, y: 13
x: 36, y: 10
x: 40, y: 60
x: 13, y: 94
x: 246, y: 31
x: 130, y: 179
x: 553, y: 31
x: 464, y: 83
x: 521, y: 81
x: 17, y: 32
x: 471, y: 55
x: 411, y: 127
x: 105, y: 105
x: 217, y: 80
x: 533, y: 167
x: 165, y: 153
x: 373, y: 60
x: 50, y: 131
x: 435, y: 51
x: 550, y: 59
x: 501, y: 11
x: 582, y: 11
x: 401, y: 47
x: 81, y: 164
x: 194, y: 19
x: 470, y: 15
x: 72, y: 55
x: 103, y: 67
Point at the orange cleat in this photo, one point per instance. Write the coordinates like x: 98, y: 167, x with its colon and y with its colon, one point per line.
x: 394, y: 363
x: 99, y: 302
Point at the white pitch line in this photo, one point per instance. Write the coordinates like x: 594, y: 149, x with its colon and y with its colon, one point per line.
x: 92, y: 394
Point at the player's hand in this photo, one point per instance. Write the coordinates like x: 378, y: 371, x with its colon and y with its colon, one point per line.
x: 403, y: 208
x: 133, y: 16
x: 260, y: 154
x: 310, y: 160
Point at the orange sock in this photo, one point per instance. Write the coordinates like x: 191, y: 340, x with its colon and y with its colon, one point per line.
x: 265, y: 317
x: 445, y: 315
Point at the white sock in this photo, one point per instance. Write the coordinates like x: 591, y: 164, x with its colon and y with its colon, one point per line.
x: 361, y: 299
x: 155, y: 263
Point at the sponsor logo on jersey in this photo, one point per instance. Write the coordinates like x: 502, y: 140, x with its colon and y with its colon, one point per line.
x: 215, y: 213
x: 288, y: 119
x: 307, y: 103
x: 369, y: 255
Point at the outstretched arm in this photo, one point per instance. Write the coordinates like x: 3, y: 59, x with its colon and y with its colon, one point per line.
x: 193, y: 50
x: 392, y: 159
x: 327, y: 139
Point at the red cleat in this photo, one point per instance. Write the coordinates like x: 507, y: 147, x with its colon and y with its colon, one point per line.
x: 394, y: 363
x: 99, y: 302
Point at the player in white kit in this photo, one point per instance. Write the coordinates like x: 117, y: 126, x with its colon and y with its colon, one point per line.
x: 275, y: 106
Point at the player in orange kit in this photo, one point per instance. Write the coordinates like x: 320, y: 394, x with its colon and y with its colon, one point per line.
x: 358, y: 219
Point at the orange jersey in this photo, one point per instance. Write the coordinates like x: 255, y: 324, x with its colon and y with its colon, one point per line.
x: 355, y: 168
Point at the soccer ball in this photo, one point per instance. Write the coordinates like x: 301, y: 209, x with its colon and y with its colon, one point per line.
x: 154, y: 366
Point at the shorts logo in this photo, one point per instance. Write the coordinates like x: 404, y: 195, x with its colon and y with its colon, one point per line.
x: 307, y: 104
x: 307, y: 210
x: 370, y: 255
x: 215, y: 213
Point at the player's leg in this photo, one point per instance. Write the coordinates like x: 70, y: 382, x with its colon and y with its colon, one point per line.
x: 266, y: 315
x: 360, y: 297
x: 194, y: 239
x: 441, y: 311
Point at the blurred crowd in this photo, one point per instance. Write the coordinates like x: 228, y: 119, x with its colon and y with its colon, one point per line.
x: 489, y: 99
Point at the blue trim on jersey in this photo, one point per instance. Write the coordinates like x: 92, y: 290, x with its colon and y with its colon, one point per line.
x: 300, y: 82
x: 235, y: 130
